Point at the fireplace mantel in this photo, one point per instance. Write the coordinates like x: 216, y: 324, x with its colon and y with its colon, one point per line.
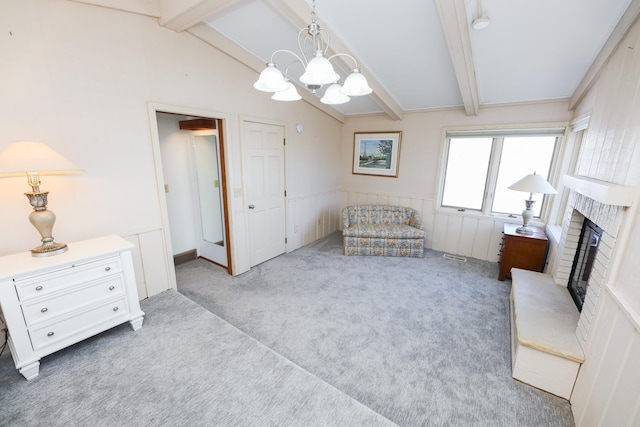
x: 604, y: 192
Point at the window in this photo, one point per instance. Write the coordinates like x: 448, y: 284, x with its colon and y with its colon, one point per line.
x: 480, y: 166
x: 466, y: 176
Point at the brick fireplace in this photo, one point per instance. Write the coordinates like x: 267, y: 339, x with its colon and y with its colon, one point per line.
x: 605, y: 205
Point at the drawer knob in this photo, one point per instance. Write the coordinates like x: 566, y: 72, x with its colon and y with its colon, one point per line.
x: 38, y: 288
x: 111, y: 288
x: 115, y: 308
x: 50, y: 334
x: 44, y: 310
x: 107, y: 269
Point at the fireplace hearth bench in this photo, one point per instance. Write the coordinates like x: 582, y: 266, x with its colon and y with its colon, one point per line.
x: 545, y: 351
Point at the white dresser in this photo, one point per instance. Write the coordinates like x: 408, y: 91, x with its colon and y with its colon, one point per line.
x: 53, y: 302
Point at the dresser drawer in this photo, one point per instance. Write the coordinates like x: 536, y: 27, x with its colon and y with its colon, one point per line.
x: 44, y: 309
x: 29, y: 287
x: 112, y: 312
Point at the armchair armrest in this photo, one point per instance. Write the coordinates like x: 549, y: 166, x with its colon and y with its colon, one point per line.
x: 345, y: 217
x: 414, y: 220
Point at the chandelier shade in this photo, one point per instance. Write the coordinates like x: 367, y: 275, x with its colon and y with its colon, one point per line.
x: 271, y: 80
x: 289, y: 94
x: 334, y: 96
x: 356, y: 84
x: 318, y: 70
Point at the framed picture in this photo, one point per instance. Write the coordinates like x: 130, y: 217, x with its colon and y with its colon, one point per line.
x: 376, y: 153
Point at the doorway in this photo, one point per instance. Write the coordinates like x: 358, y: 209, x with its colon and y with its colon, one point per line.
x: 192, y: 157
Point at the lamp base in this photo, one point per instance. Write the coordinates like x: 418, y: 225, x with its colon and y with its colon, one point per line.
x: 524, y: 230
x: 49, y: 249
x: 43, y: 220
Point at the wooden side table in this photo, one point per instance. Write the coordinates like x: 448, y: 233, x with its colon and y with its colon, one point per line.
x: 528, y: 252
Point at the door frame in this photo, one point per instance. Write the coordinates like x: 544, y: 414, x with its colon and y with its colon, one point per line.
x: 153, y: 108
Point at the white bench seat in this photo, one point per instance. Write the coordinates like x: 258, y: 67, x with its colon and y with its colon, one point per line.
x: 545, y: 351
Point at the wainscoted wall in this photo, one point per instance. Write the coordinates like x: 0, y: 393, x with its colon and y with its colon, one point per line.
x: 312, y: 217
x: 154, y: 272
x: 475, y: 237
x: 607, y: 390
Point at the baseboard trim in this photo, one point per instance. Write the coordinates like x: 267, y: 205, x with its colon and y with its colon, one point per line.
x: 186, y: 256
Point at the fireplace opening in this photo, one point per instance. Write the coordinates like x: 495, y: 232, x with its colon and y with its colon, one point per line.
x: 583, y: 261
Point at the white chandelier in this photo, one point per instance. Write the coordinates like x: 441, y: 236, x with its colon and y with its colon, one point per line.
x: 318, y: 70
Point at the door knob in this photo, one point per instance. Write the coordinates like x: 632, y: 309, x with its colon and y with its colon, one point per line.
x: 251, y: 206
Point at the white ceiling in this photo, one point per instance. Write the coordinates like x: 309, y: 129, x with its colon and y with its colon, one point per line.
x: 417, y: 54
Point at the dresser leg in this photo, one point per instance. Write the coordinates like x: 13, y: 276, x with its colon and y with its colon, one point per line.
x: 136, y: 323
x: 31, y: 370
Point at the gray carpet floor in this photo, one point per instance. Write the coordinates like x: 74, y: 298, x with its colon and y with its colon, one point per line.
x: 422, y: 342
x: 311, y: 338
x: 185, y: 367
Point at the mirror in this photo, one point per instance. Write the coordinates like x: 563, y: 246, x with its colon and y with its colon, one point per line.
x: 209, y: 180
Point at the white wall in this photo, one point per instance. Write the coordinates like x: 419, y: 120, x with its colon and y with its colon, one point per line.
x: 607, y: 391
x: 421, y: 152
x: 81, y: 79
x: 312, y: 202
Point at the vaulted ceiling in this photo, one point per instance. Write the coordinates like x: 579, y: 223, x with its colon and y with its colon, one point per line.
x: 419, y: 54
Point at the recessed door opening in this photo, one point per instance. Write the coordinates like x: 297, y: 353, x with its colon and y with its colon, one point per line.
x: 192, y: 152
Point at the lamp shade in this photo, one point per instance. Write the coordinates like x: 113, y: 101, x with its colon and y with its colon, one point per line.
x: 319, y: 71
x: 271, y: 80
x: 533, y: 183
x: 356, y: 84
x: 291, y: 94
x: 333, y: 96
x: 19, y: 158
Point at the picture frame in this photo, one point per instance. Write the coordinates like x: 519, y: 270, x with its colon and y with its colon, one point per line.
x: 376, y: 153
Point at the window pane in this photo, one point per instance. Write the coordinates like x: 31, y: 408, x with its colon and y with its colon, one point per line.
x: 521, y: 156
x: 466, y: 173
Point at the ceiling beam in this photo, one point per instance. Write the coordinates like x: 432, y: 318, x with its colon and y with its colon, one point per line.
x: 453, y: 17
x: 179, y: 15
x: 299, y: 14
x: 619, y: 33
x: 141, y: 7
x: 230, y: 48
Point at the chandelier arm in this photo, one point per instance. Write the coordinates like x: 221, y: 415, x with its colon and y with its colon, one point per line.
x: 302, y: 42
x: 328, y: 36
x: 287, y: 51
x: 344, y: 54
x: 286, y: 70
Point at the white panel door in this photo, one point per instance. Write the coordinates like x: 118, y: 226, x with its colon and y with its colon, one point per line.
x: 265, y: 190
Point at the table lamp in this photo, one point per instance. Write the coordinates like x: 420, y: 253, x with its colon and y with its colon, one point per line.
x: 532, y: 183
x: 33, y: 159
